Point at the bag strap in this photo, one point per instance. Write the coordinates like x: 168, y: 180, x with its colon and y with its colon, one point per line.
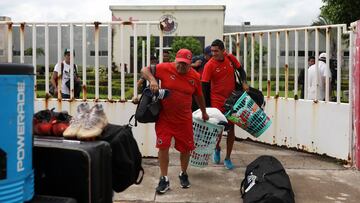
x: 132, y: 117
x: 240, y: 74
x: 242, y: 188
x: 141, y: 175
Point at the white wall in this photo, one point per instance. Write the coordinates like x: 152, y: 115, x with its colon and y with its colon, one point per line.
x: 321, y: 128
x: 117, y: 113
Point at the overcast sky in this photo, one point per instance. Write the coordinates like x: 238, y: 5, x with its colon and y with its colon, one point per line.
x: 258, y: 12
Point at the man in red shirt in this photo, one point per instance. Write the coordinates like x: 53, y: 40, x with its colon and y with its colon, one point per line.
x: 219, y: 75
x: 175, y: 120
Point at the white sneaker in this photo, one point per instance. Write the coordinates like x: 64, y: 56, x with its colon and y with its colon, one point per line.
x: 94, y: 124
x: 76, y: 122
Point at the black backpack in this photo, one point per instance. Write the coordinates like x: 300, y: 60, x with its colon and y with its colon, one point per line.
x: 148, y: 109
x: 266, y: 182
x: 126, y: 156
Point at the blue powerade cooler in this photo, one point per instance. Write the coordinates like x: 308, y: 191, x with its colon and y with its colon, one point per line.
x: 16, y: 142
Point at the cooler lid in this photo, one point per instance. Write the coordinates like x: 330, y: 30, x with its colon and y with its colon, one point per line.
x: 16, y: 69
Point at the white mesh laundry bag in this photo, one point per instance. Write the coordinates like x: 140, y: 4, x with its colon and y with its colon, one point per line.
x: 215, y: 115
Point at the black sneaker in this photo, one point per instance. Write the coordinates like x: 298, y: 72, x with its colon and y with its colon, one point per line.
x: 164, y: 185
x: 184, y: 180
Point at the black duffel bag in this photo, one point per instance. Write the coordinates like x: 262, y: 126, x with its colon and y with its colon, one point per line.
x: 266, y: 181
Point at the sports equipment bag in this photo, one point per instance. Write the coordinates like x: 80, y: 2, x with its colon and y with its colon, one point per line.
x: 126, y: 156
x: 266, y: 181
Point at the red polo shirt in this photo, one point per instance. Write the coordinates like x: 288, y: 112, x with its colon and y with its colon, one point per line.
x: 176, y: 116
x: 220, y: 74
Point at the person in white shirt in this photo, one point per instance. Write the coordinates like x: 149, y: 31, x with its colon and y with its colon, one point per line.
x: 321, y: 75
x: 64, y: 69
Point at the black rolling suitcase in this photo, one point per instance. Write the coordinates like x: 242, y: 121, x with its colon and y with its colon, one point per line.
x: 80, y: 170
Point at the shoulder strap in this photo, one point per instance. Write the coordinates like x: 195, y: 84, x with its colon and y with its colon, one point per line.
x: 140, y: 176
x: 240, y: 74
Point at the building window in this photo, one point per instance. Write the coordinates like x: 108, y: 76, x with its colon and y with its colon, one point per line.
x: 300, y: 53
x: 167, y: 40
x: 16, y: 53
x: 101, y: 53
x: 1, y: 52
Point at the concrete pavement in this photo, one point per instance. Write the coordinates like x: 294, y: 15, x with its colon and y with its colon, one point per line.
x: 314, y: 178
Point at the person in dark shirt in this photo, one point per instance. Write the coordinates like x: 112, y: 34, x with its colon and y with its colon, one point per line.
x: 198, y: 62
x: 166, y: 56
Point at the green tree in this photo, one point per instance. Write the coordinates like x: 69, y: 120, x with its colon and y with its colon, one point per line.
x: 256, y: 55
x: 190, y: 43
x: 340, y: 11
x: 39, y: 52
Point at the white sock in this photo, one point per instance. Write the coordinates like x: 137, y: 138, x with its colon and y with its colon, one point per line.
x: 166, y: 178
x: 182, y: 172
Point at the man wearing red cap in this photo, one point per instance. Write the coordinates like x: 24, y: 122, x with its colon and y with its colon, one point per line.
x: 175, y: 120
x: 218, y: 79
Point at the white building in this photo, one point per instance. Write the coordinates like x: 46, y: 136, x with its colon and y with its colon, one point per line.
x: 205, y: 23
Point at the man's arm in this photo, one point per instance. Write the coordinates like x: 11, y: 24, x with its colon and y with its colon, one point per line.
x: 55, y: 76
x: 201, y: 103
x: 245, y: 86
x: 146, y: 73
x: 206, y: 88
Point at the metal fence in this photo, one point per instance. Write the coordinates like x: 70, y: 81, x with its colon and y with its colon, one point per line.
x: 331, y: 36
x: 317, y: 117
x: 84, y: 28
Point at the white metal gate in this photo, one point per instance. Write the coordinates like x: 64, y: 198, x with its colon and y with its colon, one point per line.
x: 118, y: 108
x: 322, y: 127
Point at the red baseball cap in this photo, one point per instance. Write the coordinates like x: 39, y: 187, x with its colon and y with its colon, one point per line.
x: 184, y: 55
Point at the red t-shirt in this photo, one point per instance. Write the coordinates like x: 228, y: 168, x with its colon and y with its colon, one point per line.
x: 176, y: 108
x: 222, y: 79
